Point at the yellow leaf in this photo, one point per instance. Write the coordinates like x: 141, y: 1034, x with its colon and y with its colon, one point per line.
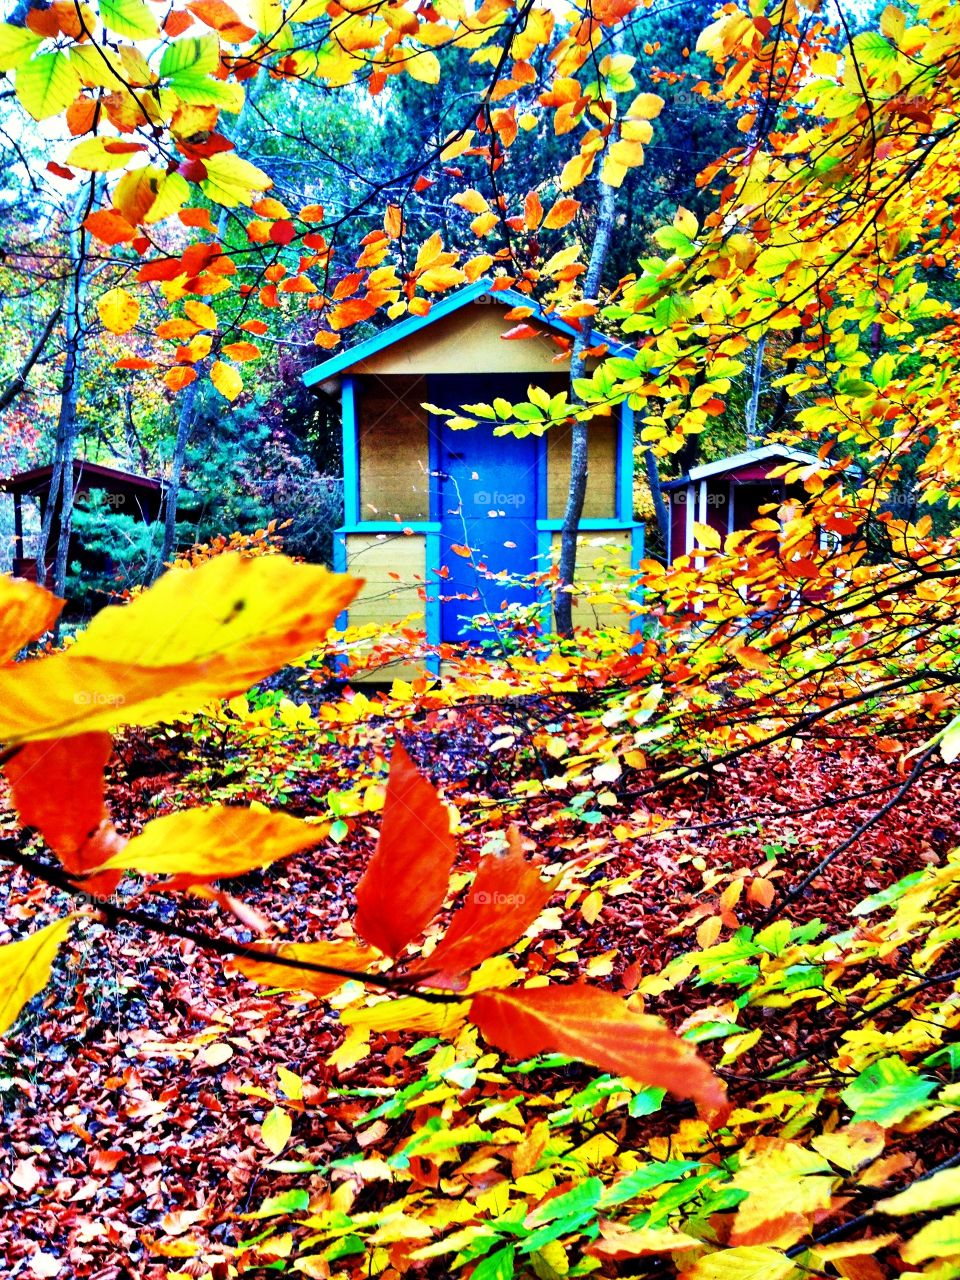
x: 707, y: 536
x: 407, y: 1013
x: 645, y: 106
x: 423, y: 65
x: 201, y: 314
x: 213, y: 843
x: 231, y: 181
x: 276, y: 1130
x: 118, y: 311
x: 574, y: 171
x: 226, y: 379
x: 25, y: 968
x: 196, y: 634
x: 938, y: 1192
x: 338, y: 955
x: 750, y: 1262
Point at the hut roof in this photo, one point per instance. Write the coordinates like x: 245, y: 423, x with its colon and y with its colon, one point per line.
x: 450, y: 303
x: 97, y: 475
x: 771, y: 453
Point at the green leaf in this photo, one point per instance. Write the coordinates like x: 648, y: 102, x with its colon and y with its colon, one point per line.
x: 887, y: 1092
x: 47, y: 85
x: 584, y: 1197
x: 644, y: 1179
x: 16, y: 45
x: 201, y: 90
x: 498, y: 1266
x: 294, y: 1201
x: 198, y: 54
x: 673, y: 240
x: 129, y: 18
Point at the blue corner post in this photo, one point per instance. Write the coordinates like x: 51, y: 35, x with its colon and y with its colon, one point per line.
x: 351, y: 452
x: 432, y: 599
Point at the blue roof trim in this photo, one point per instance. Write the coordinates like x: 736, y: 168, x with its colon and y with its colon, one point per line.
x: 447, y: 306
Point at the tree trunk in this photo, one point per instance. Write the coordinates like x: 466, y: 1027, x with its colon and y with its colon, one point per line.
x: 563, y: 603
x: 61, y: 494
x: 656, y: 492
x: 172, y: 493
x: 753, y: 404
x: 19, y: 381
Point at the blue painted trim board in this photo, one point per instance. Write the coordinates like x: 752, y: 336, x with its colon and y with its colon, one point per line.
x: 432, y: 601
x: 625, y: 438
x: 351, y: 452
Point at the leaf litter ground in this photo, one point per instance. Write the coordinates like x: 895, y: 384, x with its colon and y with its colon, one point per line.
x: 133, y: 1090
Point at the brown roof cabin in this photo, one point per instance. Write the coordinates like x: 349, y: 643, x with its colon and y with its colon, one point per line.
x: 130, y: 494
x: 727, y: 494
x: 415, y: 488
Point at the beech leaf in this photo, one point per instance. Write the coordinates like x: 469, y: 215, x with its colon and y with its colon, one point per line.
x: 505, y: 898
x: 406, y: 880
x: 196, y: 634
x: 25, y: 968
x: 599, y: 1028
x: 213, y: 843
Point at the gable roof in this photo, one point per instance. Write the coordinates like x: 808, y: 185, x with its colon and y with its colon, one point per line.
x: 38, y: 477
x: 446, y: 306
x: 746, y: 459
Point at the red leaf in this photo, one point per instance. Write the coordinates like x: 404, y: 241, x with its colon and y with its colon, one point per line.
x: 60, y: 170
x: 599, y: 1028
x: 521, y: 331
x: 58, y: 788
x: 406, y: 882
x: 505, y: 898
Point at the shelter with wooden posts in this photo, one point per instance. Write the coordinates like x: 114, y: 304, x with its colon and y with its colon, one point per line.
x: 128, y: 493
x: 727, y: 494
x: 418, y: 492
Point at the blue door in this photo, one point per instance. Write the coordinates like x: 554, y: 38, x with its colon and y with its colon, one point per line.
x: 487, y: 496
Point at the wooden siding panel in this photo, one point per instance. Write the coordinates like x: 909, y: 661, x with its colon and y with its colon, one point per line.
x: 595, y: 551
x: 394, y: 452
x: 601, y: 500
x: 375, y: 557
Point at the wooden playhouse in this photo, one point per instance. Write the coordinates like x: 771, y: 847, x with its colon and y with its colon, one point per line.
x: 727, y: 494
x: 417, y: 492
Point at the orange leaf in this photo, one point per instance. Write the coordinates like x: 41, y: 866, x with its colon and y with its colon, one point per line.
x: 532, y: 211
x: 110, y: 227
x: 177, y: 379
x: 219, y: 15
x: 348, y: 313
x: 58, y: 788
x: 562, y: 213
x: 340, y: 955
x: 505, y: 898
x: 393, y: 221
x: 26, y: 612
x: 459, y: 549
x: 761, y: 891
x: 406, y: 881
x: 751, y: 658
x: 241, y: 351
x: 598, y: 1027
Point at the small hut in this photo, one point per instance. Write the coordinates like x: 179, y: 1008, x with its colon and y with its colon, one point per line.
x: 727, y: 494
x: 129, y: 494
x: 417, y: 492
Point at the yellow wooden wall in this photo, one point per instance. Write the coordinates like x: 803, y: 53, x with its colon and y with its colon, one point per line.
x: 394, y: 470
x: 375, y: 557
x: 601, y: 500
x: 468, y: 341
x: 594, y: 552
